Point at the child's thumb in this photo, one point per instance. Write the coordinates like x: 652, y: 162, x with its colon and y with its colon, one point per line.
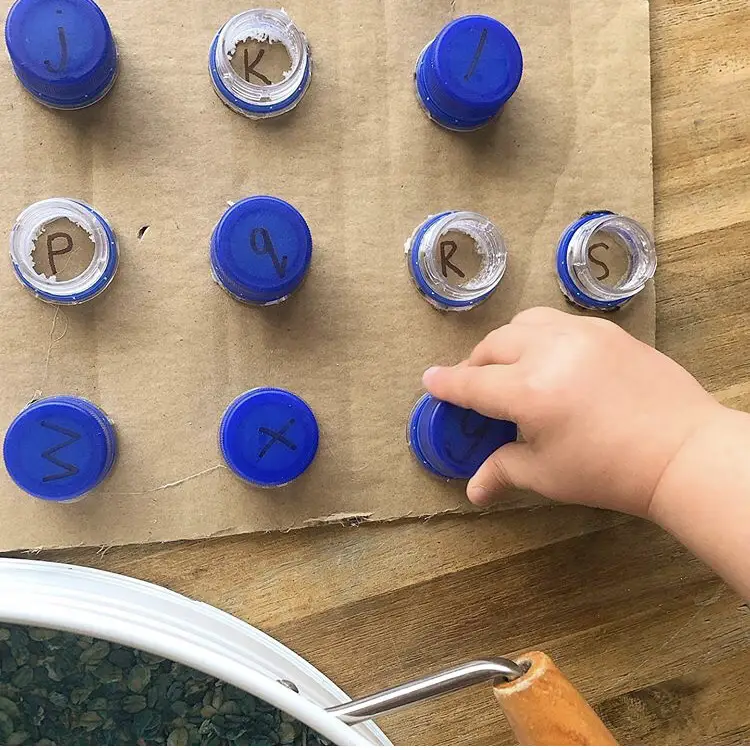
x: 508, y: 467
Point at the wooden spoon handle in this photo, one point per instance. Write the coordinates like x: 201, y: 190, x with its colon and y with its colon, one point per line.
x: 543, y: 707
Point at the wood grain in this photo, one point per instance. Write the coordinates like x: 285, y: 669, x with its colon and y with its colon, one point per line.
x: 652, y: 638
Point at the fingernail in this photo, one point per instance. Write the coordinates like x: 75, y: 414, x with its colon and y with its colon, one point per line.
x: 429, y: 373
x: 479, y: 495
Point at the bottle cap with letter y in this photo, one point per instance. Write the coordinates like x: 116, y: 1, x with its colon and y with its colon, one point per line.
x: 452, y: 442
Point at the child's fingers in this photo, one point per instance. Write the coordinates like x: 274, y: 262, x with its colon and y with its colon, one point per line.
x: 489, y: 390
x: 501, y: 347
x: 508, y: 467
x: 540, y: 316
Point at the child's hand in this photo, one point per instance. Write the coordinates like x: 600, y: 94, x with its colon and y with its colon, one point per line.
x: 601, y: 413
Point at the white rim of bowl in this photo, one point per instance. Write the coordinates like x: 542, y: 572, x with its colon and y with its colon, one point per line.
x: 145, y: 616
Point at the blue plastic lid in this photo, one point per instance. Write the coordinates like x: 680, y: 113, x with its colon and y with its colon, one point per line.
x: 59, y: 448
x: 62, y: 51
x: 453, y: 442
x: 261, y: 250
x: 469, y: 71
x: 268, y: 436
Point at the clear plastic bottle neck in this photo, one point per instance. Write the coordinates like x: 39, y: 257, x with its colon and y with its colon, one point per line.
x: 31, y: 223
x: 611, y: 231
x: 263, y: 25
x: 489, y: 248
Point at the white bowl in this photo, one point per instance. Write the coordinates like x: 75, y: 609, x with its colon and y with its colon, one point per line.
x: 148, y: 617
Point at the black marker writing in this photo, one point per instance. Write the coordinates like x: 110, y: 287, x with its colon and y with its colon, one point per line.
x: 250, y: 67
x: 596, y: 261
x: 268, y: 249
x: 477, y: 55
x: 477, y: 434
x: 51, y: 252
x: 63, y: 53
x: 277, y: 436
x: 445, y: 259
x: 69, y: 469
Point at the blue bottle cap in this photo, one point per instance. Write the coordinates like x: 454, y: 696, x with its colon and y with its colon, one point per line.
x: 30, y: 228
x: 268, y: 436
x: 466, y: 74
x: 59, y: 448
x: 261, y: 250
x: 453, y: 442
x: 62, y: 51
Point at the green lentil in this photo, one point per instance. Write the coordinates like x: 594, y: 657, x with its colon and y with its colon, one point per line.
x: 58, y: 688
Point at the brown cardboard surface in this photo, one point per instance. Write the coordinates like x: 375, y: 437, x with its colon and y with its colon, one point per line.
x: 164, y: 350
x: 63, y: 250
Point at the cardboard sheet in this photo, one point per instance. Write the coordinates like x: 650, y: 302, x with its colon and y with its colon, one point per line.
x: 164, y: 350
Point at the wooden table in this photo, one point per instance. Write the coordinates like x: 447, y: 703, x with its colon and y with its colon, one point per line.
x: 651, y: 637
